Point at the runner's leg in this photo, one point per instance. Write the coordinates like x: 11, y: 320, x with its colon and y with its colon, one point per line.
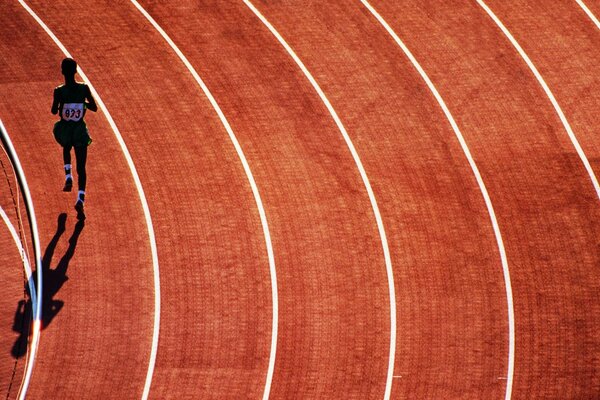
x: 68, y: 176
x: 67, y: 154
x: 81, y: 158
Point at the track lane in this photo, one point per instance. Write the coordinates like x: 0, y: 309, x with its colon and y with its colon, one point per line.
x: 84, y: 336
x: 255, y: 192
x: 564, y: 45
x: 398, y: 127
x: 214, y: 266
x: 546, y: 208
x: 141, y: 195
x: 365, y: 180
x: 324, y: 236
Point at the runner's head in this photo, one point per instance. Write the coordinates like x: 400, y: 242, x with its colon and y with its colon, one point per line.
x: 68, y: 67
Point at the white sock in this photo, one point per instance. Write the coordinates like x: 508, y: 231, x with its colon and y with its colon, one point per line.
x: 69, y: 176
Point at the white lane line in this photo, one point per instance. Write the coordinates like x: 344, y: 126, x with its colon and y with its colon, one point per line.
x: 542, y: 82
x: 36, y: 303
x: 23, y: 253
x: 142, y: 196
x: 367, y: 184
x: 255, y: 192
x: 31, y: 283
x: 17, y: 200
x: 589, y: 13
x: 22, y: 248
x: 482, y: 188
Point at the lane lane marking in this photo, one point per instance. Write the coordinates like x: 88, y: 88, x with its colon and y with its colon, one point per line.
x: 36, y: 303
x: 23, y: 253
x: 253, y: 185
x: 17, y: 200
x: 31, y: 283
x: 482, y: 188
x: 589, y: 13
x: 367, y: 184
x: 142, y: 196
x: 22, y: 247
x: 553, y: 100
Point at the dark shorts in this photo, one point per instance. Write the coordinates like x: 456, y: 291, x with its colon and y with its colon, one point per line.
x: 71, y: 134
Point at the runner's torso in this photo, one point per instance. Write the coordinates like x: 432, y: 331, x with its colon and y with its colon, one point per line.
x: 71, y: 101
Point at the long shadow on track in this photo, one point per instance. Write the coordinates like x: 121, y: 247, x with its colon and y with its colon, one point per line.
x: 53, y: 281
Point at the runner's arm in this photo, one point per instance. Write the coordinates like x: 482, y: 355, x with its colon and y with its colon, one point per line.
x: 54, y: 109
x: 91, y: 103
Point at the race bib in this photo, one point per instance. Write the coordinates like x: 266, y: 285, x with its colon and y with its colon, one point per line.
x: 72, y: 111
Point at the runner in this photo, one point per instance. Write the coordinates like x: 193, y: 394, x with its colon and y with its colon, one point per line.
x: 70, y: 102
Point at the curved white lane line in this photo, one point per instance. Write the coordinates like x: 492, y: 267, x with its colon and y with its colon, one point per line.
x: 142, y: 196
x: 31, y: 283
x: 17, y: 200
x: 23, y: 253
x: 22, y: 248
x: 482, y: 188
x: 367, y: 184
x: 589, y: 13
x: 255, y: 192
x: 36, y: 303
x: 542, y: 82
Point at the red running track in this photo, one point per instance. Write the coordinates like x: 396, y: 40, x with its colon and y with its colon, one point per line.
x: 451, y: 338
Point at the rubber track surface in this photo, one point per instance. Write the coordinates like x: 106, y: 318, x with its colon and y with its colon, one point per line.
x: 333, y: 308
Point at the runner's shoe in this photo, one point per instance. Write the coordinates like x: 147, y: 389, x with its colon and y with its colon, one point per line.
x: 68, y: 185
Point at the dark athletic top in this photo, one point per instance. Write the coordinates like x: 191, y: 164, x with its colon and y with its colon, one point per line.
x: 71, y: 101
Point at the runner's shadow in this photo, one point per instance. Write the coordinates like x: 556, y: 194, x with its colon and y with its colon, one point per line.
x: 21, y: 325
x: 54, y: 279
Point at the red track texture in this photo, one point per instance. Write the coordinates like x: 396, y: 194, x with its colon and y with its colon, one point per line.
x: 333, y: 309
